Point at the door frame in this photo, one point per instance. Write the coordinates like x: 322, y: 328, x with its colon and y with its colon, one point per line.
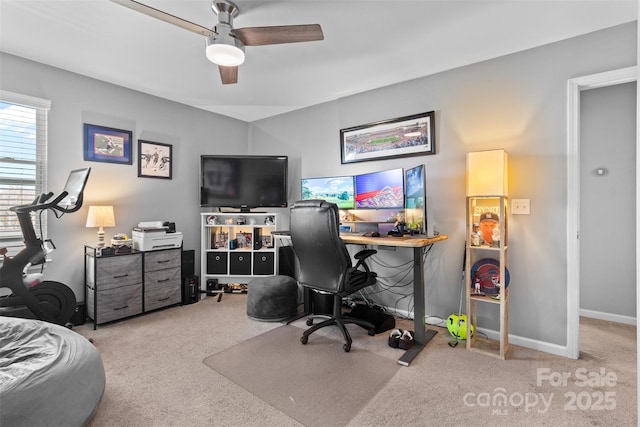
x: 574, y: 87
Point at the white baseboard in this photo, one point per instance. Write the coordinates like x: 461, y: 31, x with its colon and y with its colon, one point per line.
x: 556, y: 349
x: 546, y: 347
x: 618, y: 318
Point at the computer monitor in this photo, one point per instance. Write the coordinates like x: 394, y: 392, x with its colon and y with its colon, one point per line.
x: 380, y: 190
x: 415, y: 199
x: 336, y: 189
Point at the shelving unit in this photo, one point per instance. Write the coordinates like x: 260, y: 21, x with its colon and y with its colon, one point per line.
x: 486, y: 265
x: 237, y: 246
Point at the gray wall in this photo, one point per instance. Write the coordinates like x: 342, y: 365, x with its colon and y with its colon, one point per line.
x: 516, y: 102
x: 77, y: 100
x: 607, y: 202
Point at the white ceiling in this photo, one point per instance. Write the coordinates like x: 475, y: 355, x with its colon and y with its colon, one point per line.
x: 368, y: 44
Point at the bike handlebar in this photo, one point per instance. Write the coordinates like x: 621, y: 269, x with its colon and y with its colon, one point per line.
x: 39, y: 203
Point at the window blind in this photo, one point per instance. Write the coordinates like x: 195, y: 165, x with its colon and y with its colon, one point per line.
x: 23, y: 162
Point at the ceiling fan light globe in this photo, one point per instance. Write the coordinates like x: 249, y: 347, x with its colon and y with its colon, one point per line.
x: 227, y: 55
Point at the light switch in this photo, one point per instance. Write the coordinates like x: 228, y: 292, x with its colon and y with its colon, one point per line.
x: 520, y: 207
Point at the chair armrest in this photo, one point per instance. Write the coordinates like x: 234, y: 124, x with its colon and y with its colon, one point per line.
x: 365, y: 253
x: 362, y: 256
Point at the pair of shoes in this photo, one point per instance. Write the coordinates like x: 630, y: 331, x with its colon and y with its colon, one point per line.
x: 394, y: 338
x: 406, y: 340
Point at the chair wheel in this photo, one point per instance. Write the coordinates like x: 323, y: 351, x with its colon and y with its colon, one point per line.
x: 372, y: 332
x: 309, y: 322
x: 346, y: 348
x: 304, y: 339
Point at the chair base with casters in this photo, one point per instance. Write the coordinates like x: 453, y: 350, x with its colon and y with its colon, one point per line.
x: 339, y: 320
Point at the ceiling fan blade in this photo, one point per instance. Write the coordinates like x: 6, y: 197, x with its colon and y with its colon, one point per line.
x: 229, y: 75
x: 258, y: 36
x: 166, y: 17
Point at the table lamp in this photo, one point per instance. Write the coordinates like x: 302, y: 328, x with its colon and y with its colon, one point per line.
x: 100, y: 216
x: 487, y: 173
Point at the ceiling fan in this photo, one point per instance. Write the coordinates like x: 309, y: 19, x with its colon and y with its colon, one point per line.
x: 225, y: 44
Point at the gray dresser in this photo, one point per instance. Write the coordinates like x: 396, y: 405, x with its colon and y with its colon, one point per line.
x: 128, y: 284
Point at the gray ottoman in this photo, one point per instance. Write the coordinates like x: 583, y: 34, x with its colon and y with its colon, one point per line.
x: 272, y: 298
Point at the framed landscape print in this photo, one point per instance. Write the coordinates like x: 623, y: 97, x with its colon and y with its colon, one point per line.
x: 154, y: 159
x: 401, y: 137
x: 104, y: 144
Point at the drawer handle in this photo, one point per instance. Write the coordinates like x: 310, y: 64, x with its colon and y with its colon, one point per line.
x: 163, y: 280
x: 121, y: 276
x: 163, y: 261
x: 164, y: 299
x: 240, y: 258
x: 121, y: 308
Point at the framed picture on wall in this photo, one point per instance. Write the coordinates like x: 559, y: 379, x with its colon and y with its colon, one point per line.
x: 400, y: 137
x: 154, y: 159
x: 104, y: 144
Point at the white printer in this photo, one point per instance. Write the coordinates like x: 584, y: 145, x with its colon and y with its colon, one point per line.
x: 155, y: 235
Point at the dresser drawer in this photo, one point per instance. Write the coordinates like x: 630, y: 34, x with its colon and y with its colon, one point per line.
x: 162, y: 288
x: 116, y: 271
x: 115, y: 303
x: 160, y: 260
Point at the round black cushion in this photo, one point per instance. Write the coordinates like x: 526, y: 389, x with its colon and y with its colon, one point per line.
x: 272, y: 298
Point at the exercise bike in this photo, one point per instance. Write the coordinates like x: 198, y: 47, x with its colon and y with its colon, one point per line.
x: 32, y: 296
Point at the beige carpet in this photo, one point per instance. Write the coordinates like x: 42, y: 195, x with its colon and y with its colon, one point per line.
x: 317, y: 384
x: 155, y: 376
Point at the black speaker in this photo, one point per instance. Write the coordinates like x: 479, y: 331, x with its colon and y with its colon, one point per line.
x: 188, y: 263
x: 190, y: 290
x: 287, y: 262
x: 79, y: 315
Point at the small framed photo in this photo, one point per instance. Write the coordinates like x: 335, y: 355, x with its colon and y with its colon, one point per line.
x: 104, y: 144
x: 244, y: 240
x: 267, y: 242
x: 154, y: 159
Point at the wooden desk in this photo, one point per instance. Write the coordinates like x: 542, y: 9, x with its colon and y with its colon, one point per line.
x: 418, y: 243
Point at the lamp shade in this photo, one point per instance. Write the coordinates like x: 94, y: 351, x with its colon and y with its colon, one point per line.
x: 225, y: 50
x: 101, y: 216
x: 487, y: 173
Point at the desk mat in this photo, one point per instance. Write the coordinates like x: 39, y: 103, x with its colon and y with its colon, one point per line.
x: 317, y: 384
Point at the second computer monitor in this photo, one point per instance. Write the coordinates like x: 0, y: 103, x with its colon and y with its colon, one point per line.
x: 380, y: 190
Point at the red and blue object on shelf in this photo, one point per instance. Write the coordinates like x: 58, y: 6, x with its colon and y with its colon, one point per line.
x: 487, y: 272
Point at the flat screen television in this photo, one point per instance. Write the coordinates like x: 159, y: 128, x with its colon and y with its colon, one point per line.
x: 243, y: 182
x: 336, y: 189
x: 415, y: 198
x: 380, y: 190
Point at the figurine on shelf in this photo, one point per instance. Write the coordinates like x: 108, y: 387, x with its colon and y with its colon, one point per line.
x: 488, y: 222
x: 495, y: 238
x: 475, y: 235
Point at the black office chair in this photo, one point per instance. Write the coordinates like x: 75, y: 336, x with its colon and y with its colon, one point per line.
x: 325, y: 264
